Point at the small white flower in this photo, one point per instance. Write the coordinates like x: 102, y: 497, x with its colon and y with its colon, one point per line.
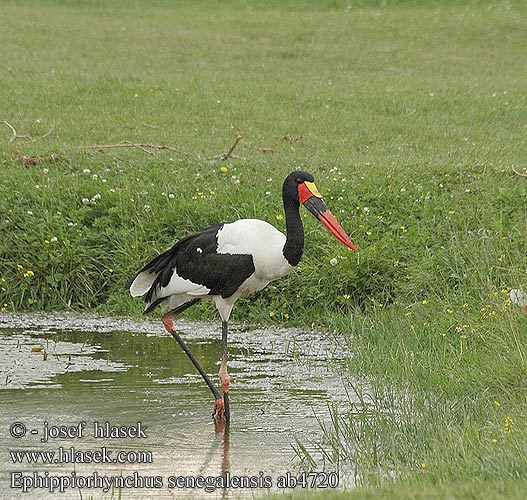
x: 45, y: 171
x: 54, y: 239
x: 85, y: 201
x: 86, y: 171
x: 333, y: 261
x: 29, y: 212
x: 171, y: 196
x: 366, y: 210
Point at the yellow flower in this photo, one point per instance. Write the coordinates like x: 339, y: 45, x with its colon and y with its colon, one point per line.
x: 347, y: 296
x: 279, y: 217
x: 497, y: 403
x: 423, y: 466
x: 425, y: 302
x: 451, y: 212
x: 368, y: 233
x: 494, y: 440
x: 449, y: 311
x: 271, y: 314
x: 396, y: 263
x: 224, y: 170
x: 29, y: 273
x: 286, y: 316
x: 402, y: 228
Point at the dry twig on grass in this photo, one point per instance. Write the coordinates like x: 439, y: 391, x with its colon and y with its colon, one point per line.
x: 268, y: 150
x: 16, y: 135
x: 521, y: 174
x: 229, y: 154
x: 49, y: 132
x: 129, y: 144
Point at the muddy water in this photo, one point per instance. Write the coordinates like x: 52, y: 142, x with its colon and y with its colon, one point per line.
x: 61, y: 376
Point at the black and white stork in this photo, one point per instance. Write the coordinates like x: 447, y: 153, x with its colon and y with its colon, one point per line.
x: 231, y: 260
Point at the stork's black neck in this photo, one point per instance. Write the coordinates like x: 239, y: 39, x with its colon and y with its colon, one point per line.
x: 294, y: 244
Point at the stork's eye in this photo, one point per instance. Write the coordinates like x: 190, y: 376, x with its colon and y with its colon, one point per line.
x: 299, y: 180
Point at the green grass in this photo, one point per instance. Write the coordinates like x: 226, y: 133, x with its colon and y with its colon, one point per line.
x: 410, y: 115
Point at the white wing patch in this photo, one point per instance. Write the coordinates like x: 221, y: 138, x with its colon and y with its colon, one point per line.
x: 142, y: 283
x: 178, y: 286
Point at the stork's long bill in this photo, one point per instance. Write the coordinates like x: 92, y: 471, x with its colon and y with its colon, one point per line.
x: 310, y: 197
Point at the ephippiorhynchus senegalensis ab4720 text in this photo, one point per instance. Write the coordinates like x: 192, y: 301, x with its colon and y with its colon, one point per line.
x: 228, y: 261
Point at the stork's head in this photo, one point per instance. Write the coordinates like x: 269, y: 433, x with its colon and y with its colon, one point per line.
x: 300, y: 187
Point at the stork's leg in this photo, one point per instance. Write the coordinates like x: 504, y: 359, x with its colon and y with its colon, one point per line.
x: 168, y: 321
x: 223, y: 373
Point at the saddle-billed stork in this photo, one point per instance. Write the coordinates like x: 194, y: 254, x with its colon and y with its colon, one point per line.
x: 231, y: 260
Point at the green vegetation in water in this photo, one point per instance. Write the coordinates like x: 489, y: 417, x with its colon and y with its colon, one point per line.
x: 411, y: 116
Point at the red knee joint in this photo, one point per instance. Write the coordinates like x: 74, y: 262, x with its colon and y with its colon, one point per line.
x: 168, y: 321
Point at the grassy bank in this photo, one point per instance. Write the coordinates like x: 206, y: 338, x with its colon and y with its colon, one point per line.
x: 411, y: 118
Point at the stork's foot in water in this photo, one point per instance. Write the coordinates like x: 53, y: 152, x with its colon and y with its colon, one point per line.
x: 219, y: 409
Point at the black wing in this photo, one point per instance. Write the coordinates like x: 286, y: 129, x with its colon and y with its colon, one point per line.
x: 195, y: 258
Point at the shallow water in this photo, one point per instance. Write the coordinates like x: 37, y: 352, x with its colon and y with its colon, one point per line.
x: 66, y: 370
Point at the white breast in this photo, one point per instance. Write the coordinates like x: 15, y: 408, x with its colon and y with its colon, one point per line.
x: 259, y: 239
